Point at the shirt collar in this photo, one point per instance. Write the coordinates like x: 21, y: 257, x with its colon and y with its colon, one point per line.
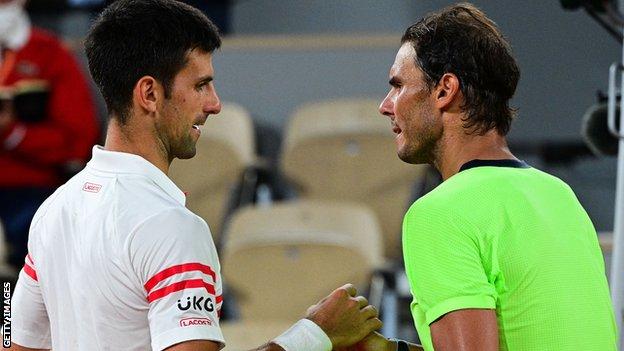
x: 122, y: 162
x: 494, y: 163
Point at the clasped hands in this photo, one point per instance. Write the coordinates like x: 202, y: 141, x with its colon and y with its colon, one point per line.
x: 349, y: 321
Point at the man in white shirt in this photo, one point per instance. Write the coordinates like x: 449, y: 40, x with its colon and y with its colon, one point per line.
x: 116, y: 261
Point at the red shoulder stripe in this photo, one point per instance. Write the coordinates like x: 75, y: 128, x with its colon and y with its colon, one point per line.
x: 185, y: 284
x: 30, y: 272
x: 181, y: 268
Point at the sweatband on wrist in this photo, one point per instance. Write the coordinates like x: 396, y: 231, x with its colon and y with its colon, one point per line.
x: 304, y: 335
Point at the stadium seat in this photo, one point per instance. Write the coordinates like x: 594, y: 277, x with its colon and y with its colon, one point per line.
x: 344, y: 150
x: 279, y: 259
x: 224, y: 150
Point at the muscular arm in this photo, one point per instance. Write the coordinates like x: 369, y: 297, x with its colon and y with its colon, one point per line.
x: 203, y: 345
x: 466, y: 330
x: 461, y: 330
x: 344, y: 317
x: 15, y: 347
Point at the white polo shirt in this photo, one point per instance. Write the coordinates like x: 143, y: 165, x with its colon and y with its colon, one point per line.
x: 116, y: 262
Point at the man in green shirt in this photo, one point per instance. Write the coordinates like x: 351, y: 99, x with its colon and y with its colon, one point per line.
x: 500, y: 256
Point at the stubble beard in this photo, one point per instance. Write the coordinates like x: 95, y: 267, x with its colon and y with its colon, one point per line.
x: 421, y: 153
x: 180, y: 143
x: 421, y: 147
x: 185, y: 148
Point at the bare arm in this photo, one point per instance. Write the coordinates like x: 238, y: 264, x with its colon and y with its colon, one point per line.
x: 343, y: 316
x: 16, y: 347
x: 377, y: 342
x: 466, y: 330
x: 461, y: 330
x: 204, y: 345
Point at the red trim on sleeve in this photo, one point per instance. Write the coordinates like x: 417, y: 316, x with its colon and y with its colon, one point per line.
x: 29, y: 257
x: 181, y: 268
x: 185, y: 284
x: 219, y: 299
x: 30, y: 272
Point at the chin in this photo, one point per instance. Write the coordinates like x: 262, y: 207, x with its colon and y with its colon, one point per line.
x: 415, y: 157
x: 411, y: 159
x: 184, y: 149
x: 186, y: 153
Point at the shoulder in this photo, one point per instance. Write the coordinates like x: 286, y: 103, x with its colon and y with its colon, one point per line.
x: 450, y: 210
x: 175, y: 217
x: 49, y: 203
x: 140, y: 200
x: 42, y: 38
x: 444, y: 199
x: 168, y: 238
x: 173, y: 227
x: 58, y: 198
x: 548, y: 179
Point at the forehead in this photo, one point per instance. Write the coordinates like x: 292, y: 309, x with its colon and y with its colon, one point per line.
x: 198, y: 64
x: 405, y: 63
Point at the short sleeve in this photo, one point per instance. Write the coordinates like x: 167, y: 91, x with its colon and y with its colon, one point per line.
x: 443, y: 263
x: 30, y: 325
x: 174, y: 257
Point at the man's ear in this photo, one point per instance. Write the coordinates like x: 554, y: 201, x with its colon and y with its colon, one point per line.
x: 446, y: 91
x: 147, y: 93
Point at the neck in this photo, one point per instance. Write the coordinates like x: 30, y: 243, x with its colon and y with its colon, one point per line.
x: 131, y: 139
x: 458, y: 148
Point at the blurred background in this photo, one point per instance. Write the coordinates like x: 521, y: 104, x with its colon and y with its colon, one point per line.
x: 300, y: 134
x: 279, y: 54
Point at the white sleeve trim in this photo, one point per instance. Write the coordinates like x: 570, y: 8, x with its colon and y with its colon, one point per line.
x: 31, y: 340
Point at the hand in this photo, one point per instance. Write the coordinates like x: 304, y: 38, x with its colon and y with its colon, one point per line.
x: 372, y: 342
x: 7, y: 114
x: 345, y: 318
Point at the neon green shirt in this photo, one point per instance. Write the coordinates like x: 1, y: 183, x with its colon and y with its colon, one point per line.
x: 501, y: 235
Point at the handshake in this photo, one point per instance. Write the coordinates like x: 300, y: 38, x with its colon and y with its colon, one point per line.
x: 348, y: 320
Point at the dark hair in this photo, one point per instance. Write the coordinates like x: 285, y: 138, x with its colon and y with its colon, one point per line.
x: 134, y: 38
x: 460, y: 39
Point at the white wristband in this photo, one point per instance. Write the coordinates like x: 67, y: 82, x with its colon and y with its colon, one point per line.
x: 304, y: 335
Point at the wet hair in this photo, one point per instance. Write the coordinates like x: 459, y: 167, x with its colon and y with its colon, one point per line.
x: 135, y: 38
x: 461, y: 40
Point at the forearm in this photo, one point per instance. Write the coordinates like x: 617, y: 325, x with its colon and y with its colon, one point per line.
x: 269, y: 347
x: 15, y: 347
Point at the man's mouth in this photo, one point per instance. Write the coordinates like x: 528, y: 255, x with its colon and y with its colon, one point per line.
x: 199, y: 123
x: 396, y: 129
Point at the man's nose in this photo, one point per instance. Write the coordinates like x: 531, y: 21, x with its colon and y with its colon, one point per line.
x: 386, y: 107
x: 213, y: 106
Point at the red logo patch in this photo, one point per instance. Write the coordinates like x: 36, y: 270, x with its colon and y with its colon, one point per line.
x: 187, y: 322
x: 91, y: 187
